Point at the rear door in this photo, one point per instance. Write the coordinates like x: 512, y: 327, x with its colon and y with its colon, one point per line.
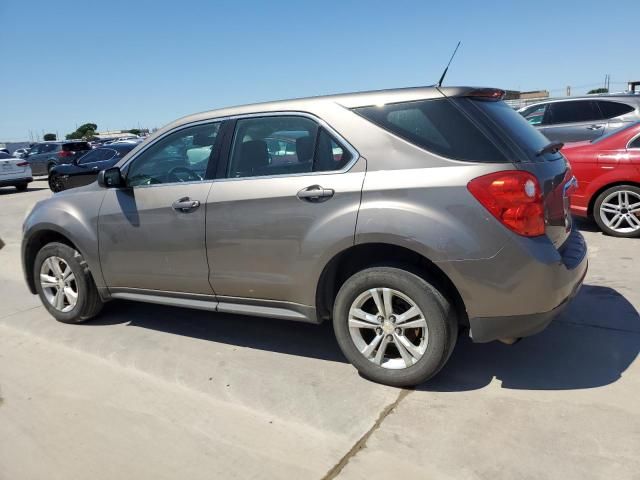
x: 277, y: 213
x: 574, y: 121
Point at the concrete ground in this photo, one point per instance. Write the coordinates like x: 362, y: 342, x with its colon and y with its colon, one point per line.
x: 154, y: 392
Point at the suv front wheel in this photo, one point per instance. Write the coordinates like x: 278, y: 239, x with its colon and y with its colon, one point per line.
x: 393, y: 326
x: 65, y: 285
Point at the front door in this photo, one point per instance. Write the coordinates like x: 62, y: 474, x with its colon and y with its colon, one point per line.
x: 574, y: 121
x: 289, y: 198
x: 152, y: 233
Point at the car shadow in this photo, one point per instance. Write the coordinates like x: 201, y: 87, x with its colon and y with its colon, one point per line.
x: 282, y: 336
x: 589, y: 345
x: 13, y: 191
x: 586, y: 225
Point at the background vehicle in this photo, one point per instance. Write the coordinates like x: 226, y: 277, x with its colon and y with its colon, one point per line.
x: 21, y: 152
x: 457, y: 224
x: 14, y: 172
x: 608, y: 173
x: 85, y: 169
x: 582, y: 118
x: 46, y: 155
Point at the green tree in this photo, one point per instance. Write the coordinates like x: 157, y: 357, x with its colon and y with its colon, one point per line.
x: 598, y: 90
x: 85, y: 131
x: 49, y: 137
x: 134, y: 131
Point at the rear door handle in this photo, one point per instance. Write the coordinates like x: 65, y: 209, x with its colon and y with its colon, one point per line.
x: 185, y: 205
x: 315, y: 193
x: 594, y: 127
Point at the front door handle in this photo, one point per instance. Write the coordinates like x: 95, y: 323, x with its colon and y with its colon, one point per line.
x: 316, y: 194
x: 594, y: 127
x: 185, y: 205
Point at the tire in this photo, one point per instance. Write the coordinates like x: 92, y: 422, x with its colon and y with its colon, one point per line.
x: 438, y: 316
x: 614, y: 201
x: 49, y: 167
x: 21, y: 187
x: 88, y: 303
x: 54, y: 183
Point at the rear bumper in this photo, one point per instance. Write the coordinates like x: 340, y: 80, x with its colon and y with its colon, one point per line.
x: 15, y: 181
x: 520, y: 290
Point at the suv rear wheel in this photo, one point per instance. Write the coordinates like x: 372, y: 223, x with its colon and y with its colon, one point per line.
x: 393, y: 326
x: 617, y: 211
x: 65, y: 285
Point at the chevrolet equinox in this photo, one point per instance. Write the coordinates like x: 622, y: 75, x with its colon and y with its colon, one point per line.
x: 403, y: 216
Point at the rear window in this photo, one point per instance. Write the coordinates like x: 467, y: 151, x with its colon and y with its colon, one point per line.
x: 437, y: 126
x: 76, y: 146
x: 613, y: 109
x: 4, y: 156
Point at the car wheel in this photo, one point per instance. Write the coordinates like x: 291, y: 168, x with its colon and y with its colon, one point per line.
x: 55, y: 184
x: 393, y: 326
x: 50, y: 167
x: 65, y: 285
x: 21, y: 187
x: 617, y: 211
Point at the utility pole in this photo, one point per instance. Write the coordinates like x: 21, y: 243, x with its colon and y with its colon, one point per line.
x: 568, y: 90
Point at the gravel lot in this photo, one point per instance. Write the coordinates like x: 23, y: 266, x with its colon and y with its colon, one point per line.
x: 156, y: 392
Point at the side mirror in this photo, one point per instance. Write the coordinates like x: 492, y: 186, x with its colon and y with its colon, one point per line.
x: 111, y: 178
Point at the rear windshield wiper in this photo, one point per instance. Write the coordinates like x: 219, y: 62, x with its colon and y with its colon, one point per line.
x: 553, y: 147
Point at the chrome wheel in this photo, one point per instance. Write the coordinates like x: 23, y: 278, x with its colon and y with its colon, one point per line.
x: 388, y: 328
x: 58, y: 284
x: 620, y: 211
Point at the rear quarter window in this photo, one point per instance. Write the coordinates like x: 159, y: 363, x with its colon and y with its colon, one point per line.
x: 574, y: 111
x: 437, y: 126
x: 614, y: 109
x: 76, y: 146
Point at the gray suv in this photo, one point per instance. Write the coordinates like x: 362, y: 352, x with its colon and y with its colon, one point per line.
x: 403, y: 216
x: 44, y: 156
x: 582, y: 118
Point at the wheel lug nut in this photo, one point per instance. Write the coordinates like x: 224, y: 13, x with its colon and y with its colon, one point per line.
x: 380, y: 318
x: 378, y: 331
x: 399, y: 331
x: 389, y: 337
x: 392, y: 318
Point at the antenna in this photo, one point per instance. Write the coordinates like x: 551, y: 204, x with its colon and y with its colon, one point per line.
x: 439, y: 84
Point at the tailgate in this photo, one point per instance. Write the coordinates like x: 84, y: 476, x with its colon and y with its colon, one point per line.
x: 523, y: 144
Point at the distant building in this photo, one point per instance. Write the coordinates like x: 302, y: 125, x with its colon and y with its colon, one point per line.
x: 518, y: 99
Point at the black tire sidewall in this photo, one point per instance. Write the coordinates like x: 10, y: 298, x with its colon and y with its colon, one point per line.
x: 598, y: 204
x: 441, y: 324
x: 73, y: 259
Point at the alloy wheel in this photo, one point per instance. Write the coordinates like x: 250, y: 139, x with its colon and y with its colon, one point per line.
x: 620, y: 211
x: 388, y: 328
x: 58, y: 284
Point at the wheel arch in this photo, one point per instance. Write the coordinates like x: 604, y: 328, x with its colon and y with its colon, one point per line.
x: 361, y: 256
x: 596, y: 194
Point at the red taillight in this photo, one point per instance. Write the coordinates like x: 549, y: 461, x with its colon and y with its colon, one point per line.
x: 64, y: 154
x: 514, y: 198
x: 22, y: 164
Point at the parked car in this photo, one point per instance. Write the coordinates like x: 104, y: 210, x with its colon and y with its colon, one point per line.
x: 408, y: 216
x: 4, y: 150
x: 14, y: 172
x: 608, y: 173
x: 21, y: 152
x: 582, y: 118
x: 85, y: 169
x: 46, y: 155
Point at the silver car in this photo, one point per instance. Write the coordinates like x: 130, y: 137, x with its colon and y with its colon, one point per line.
x: 403, y: 216
x: 582, y: 118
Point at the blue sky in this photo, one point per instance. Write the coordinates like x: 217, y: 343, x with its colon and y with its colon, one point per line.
x: 122, y: 64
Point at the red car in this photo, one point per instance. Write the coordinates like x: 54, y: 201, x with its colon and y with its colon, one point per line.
x: 608, y: 173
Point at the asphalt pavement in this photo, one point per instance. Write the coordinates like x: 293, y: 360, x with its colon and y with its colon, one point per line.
x: 153, y: 392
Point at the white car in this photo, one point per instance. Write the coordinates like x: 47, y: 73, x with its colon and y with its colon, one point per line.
x: 14, y: 172
x: 21, y: 152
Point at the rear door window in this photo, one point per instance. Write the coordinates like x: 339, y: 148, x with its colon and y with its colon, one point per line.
x: 535, y: 114
x: 76, y: 147
x: 613, y: 109
x: 575, y: 111
x: 437, y: 126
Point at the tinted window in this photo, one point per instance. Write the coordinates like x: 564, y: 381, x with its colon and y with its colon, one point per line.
x: 635, y: 143
x: 182, y: 156
x: 574, y: 111
x: 613, y: 109
x: 283, y: 145
x: 535, y: 114
x: 48, y: 147
x: 76, y: 146
x: 435, y: 125
x: 4, y: 156
x: 97, y: 155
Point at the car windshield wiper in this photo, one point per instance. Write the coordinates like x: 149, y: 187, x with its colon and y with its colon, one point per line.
x: 553, y: 147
